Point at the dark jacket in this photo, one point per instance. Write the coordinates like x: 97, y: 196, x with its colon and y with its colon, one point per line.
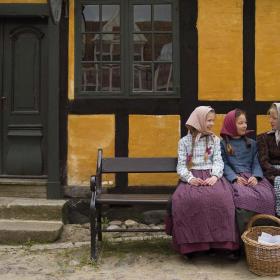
x: 269, y: 155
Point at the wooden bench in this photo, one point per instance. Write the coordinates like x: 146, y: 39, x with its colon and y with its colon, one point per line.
x: 100, y: 197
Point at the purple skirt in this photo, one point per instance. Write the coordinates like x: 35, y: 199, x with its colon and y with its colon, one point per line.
x: 203, y: 217
x: 259, y: 199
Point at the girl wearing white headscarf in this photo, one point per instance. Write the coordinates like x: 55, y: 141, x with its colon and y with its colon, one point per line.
x: 203, y: 211
x: 269, y: 152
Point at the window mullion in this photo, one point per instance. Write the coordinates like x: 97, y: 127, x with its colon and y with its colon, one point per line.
x: 125, y: 46
x: 176, y: 50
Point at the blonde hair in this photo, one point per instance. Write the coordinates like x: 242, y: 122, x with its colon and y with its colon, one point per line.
x: 274, y: 108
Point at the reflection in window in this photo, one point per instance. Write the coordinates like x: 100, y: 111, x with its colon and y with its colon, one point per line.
x: 162, y: 18
x: 153, y: 40
x: 147, y: 40
x: 142, y: 18
x: 101, y: 45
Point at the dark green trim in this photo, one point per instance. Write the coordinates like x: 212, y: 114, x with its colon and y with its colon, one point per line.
x: 54, y: 189
x: 63, y: 95
x: 126, y: 16
x: 9, y: 10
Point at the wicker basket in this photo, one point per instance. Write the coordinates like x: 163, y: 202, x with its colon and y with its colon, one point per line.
x: 262, y: 259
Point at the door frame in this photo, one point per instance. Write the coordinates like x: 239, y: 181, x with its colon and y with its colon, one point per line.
x: 54, y: 187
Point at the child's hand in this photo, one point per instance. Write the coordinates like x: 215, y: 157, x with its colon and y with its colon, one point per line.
x: 252, y: 181
x: 211, y: 181
x: 241, y: 181
x: 196, y: 182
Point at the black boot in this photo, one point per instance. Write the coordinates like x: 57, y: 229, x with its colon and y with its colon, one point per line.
x: 233, y: 255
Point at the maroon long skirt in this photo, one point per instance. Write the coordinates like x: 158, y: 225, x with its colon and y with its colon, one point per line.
x: 203, y: 217
x: 259, y: 199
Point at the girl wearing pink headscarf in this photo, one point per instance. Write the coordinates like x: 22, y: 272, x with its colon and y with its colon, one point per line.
x: 203, y: 212
x: 252, y: 192
x: 269, y: 152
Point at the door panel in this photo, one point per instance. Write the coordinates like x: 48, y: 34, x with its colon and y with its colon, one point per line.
x: 25, y: 92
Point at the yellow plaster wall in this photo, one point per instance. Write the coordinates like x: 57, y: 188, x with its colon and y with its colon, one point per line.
x: 85, y: 135
x: 267, y: 50
x: 218, y: 124
x: 220, y: 49
x: 23, y: 1
x: 263, y: 124
x: 71, y: 49
x: 153, y: 136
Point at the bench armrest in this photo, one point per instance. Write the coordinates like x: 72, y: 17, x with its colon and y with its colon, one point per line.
x: 96, y: 180
x: 93, y: 183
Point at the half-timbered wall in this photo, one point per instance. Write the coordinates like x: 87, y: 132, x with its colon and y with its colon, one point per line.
x: 229, y: 57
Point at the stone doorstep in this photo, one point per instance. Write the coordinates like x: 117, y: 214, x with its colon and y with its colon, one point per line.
x: 32, y: 209
x: 19, y: 231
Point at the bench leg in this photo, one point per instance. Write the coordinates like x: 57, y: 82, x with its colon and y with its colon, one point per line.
x: 93, y: 231
x: 99, y: 223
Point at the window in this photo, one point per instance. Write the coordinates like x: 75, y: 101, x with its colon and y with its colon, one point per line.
x: 127, y: 48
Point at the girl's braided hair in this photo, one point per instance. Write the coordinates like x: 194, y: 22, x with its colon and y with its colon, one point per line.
x: 194, y: 132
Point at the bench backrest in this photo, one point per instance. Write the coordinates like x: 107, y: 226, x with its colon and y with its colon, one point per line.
x: 138, y: 165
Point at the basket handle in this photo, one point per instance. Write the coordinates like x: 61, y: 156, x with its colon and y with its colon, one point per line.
x: 262, y: 216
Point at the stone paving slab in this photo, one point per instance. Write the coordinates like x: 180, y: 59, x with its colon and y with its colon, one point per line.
x: 19, y: 231
x: 32, y: 208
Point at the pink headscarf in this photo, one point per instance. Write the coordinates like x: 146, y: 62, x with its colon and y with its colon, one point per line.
x: 197, y: 119
x: 229, y: 125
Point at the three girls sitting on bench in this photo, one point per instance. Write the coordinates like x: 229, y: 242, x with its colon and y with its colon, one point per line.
x: 217, y: 179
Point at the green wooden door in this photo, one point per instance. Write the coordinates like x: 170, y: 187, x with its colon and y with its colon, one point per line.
x: 23, y: 84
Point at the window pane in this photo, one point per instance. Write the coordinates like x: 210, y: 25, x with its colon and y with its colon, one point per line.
x: 162, y: 18
x: 142, y: 18
x: 111, y: 77
x: 163, y: 80
x: 91, y: 79
x: 163, y: 47
x: 111, y: 47
x: 90, y: 18
x: 142, y: 47
x: 142, y: 78
x: 110, y: 18
x: 90, y: 48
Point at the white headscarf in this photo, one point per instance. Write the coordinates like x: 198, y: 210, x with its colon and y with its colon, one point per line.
x: 277, y: 130
x: 197, y: 119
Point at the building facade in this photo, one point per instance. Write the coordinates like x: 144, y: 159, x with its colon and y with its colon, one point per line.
x: 124, y: 75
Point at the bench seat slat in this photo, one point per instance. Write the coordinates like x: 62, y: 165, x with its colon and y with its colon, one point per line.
x: 139, y: 165
x: 133, y: 230
x: 132, y: 198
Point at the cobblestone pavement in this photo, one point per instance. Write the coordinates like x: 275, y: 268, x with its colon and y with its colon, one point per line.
x: 122, y: 260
